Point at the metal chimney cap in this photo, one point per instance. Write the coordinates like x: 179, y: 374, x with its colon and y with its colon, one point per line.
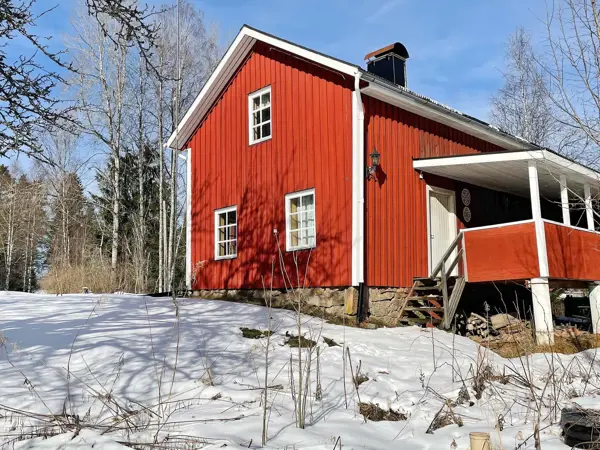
x: 396, y: 48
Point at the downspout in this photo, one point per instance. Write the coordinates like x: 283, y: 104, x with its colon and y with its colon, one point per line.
x: 188, y: 223
x: 358, y: 203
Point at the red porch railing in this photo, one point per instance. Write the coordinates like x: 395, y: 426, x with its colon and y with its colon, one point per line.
x: 573, y: 253
x: 501, y: 252
x: 509, y: 252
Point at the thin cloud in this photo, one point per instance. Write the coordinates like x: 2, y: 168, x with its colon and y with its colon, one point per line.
x: 385, y: 8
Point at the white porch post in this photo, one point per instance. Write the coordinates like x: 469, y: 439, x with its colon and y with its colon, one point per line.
x: 594, y: 287
x: 540, y: 290
x: 589, y: 212
x: 564, y: 200
x: 595, y: 306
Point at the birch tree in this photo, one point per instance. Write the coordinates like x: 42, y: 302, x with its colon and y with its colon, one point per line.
x: 572, y: 65
x: 523, y: 107
x: 65, y: 193
x: 101, y: 84
x: 179, y: 81
x: 22, y: 218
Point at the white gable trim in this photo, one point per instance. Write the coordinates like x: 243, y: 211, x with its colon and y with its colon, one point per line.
x: 234, y: 56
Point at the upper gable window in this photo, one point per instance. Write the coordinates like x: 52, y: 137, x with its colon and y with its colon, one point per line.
x: 259, y: 114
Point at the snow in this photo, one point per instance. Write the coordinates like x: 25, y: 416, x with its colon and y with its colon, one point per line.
x: 133, y: 350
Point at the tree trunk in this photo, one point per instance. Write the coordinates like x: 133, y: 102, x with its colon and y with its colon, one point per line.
x: 140, y: 258
x: 161, y: 211
x: 10, y: 237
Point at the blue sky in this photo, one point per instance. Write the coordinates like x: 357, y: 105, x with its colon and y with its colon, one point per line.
x: 456, y: 47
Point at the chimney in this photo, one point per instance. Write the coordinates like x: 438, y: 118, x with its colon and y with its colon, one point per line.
x: 389, y: 63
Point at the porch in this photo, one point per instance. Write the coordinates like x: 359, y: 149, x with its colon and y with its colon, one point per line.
x: 538, y: 249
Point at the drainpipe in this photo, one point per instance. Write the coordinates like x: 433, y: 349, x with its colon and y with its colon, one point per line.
x: 359, y: 210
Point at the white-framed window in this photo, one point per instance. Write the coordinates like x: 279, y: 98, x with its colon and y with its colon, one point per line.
x: 301, y: 229
x: 226, y: 233
x: 259, y: 115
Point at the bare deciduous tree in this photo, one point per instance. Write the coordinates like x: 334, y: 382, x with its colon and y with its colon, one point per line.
x: 27, y: 103
x: 101, y: 84
x: 573, y: 68
x: 522, y: 106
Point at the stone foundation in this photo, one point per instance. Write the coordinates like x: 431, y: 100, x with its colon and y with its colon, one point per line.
x: 331, y: 303
x: 385, y: 304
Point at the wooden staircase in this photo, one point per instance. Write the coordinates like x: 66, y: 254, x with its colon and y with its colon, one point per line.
x: 433, y: 301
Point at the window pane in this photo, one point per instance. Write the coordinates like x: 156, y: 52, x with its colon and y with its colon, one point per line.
x: 294, y: 204
x: 266, y: 99
x: 308, y: 201
x: 232, y: 232
x: 221, y: 219
x: 222, y: 250
x: 233, y: 248
x: 266, y: 130
x: 231, y: 217
x: 310, y: 216
x: 303, y: 220
x: 256, y: 103
x: 294, y: 225
x: 256, y: 133
x: 256, y: 118
x: 222, y: 234
x: 266, y: 114
x: 294, y: 238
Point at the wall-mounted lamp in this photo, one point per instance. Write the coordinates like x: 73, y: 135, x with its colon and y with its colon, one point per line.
x: 372, y: 169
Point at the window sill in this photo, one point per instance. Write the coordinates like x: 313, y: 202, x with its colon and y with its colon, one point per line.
x: 220, y: 258
x: 260, y: 141
x: 304, y: 247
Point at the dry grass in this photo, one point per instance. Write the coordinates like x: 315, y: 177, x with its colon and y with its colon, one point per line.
x: 300, y: 341
x: 373, y: 412
x: 251, y: 333
x: 521, y: 344
x: 95, y: 277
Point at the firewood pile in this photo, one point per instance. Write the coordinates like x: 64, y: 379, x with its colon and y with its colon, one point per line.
x: 498, y: 324
x: 569, y: 332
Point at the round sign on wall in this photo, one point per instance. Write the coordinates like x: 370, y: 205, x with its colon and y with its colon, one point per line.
x: 465, y: 195
x: 467, y: 214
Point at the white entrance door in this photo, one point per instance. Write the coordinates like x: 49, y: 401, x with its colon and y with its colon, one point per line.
x: 442, y: 224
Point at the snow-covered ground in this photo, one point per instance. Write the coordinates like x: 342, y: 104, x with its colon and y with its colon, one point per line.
x: 134, y: 366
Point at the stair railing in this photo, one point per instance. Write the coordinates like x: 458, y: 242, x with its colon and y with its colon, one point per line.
x: 443, y: 262
x: 445, y: 270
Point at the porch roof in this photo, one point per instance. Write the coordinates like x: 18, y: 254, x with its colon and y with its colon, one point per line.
x: 508, y: 171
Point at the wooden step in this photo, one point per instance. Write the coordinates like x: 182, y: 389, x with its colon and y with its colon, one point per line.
x: 424, y: 304
x: 424, y: 308
x: 423, y: 298
x: 418, y: 321
x: 425, y: 281
x: 435, y: 303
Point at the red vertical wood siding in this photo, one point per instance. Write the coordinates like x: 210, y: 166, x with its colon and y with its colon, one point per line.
x: 502, y: 253
x: 396, y: 204
x: 572, y: 254
x: 311, y: 147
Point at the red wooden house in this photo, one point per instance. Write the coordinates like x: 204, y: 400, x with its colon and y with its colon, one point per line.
x: 299, y: 160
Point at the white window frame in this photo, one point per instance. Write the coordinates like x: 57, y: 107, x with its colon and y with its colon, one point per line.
x: 251, y: 112
x: 218, y: 212
x: 288, y: 235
